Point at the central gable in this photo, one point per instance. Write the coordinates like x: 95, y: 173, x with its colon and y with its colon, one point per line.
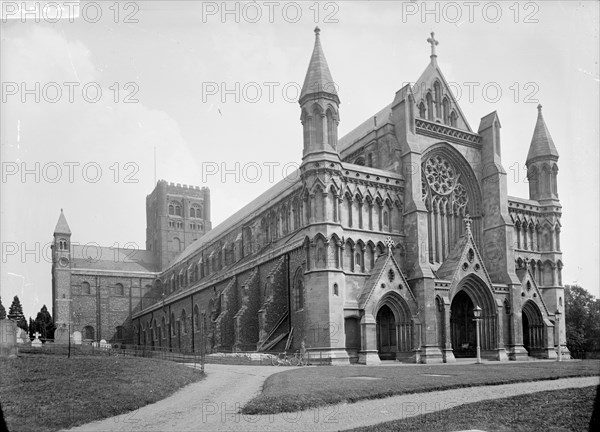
x: 386, y: 279
x: 435, y: 101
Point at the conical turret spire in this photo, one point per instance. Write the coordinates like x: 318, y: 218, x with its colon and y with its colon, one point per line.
x: 62, y: 227
x: 542, y: 145
x: 318, y: 77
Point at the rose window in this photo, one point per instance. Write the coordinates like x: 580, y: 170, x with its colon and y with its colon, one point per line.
x: 440, y: 175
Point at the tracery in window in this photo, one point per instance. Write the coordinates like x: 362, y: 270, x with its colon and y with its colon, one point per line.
x: 446, y: 199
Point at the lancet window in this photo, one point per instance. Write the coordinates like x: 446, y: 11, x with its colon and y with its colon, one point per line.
x: 446, y: 199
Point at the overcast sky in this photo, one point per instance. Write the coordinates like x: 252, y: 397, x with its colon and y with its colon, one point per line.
x: 173, y: 64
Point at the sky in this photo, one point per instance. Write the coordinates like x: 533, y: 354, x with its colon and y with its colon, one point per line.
x: 211, y: 89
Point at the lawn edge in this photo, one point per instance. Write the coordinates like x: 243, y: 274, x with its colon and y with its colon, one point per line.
x: 248, y: 409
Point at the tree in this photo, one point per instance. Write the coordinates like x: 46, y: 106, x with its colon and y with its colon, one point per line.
x: 15, y: 313
x: 582, y: 315
x: 2, y: 310
x: 44, y: 324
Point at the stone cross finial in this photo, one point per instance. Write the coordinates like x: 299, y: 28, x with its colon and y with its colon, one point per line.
x: 468, y: 221
x: 36, y: 335
x: 390, y: 243
x: 433, y: 43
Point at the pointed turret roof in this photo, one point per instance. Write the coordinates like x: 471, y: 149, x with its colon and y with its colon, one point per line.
x: 542, y: 145
x: 62, y: 227
x: 318, y: 77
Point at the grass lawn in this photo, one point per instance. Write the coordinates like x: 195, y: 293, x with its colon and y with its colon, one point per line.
x: 558, y: 410
x: 312, y: 387
x: 50, y: 392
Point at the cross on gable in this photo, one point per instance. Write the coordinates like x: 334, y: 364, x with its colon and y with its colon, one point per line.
x: 37, y: 335
x: 433, y: 43
x: 468, y: 221
x: 390, y: 243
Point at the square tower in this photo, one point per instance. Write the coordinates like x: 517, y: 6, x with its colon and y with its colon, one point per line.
x: 176, y: 216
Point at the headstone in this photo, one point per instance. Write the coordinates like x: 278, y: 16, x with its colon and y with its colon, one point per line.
x: 61, y: 335
x: 77, y: 337
x: 22, y: 336
x: 8, y: 338
x: 36, y: 343
x: 103, y: 344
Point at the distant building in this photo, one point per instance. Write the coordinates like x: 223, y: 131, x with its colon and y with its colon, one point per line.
x: 379, y: 247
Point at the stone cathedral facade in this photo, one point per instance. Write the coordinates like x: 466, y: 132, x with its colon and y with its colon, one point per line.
x: 378, y: 248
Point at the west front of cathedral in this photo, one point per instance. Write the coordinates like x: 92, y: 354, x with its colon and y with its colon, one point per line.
x: 380, y: 247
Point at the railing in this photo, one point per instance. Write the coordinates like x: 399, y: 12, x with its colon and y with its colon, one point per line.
x: 120, y: 350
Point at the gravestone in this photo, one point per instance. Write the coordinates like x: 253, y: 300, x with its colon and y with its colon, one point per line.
x: 22, y: 336
x: 61, y: 335
x: 77, y: 337
x: 104, y: 344
x: 36, y: 343
x: 8, y: 338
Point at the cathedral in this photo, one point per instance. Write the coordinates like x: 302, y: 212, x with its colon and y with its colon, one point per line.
x: 393, y: 242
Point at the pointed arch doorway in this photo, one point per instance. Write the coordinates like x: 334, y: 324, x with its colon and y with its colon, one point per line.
x: 386, y: 334
x: 473, y: 292
x: 533, y: 329
x: 395, y: 329
x: 462, y: 326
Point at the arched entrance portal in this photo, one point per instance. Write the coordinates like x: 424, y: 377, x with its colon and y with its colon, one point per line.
x: 533, y: 329
x: 386, y: 334
x: 394, y: 329
x: 462, y: 326
x: 473, y: 292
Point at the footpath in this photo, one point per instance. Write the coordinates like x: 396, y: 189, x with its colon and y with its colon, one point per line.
x: 213, y: 404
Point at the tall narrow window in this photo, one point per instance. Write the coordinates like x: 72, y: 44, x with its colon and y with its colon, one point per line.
x: 437, y: 90
x: 422, y: 110
x: 429, y: 106
x: 299, y: 289
x: 446, y: 110
x: 453, y: 119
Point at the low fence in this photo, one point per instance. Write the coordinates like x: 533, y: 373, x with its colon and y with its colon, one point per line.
x: 120, y: 350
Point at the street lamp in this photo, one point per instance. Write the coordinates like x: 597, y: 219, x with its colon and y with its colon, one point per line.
x: 557, y: 319
x: 477, y: 318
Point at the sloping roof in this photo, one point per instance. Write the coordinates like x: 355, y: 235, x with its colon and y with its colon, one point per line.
x: 374, y: 122
x: 451, y: 263
x: 263, y: 201
x: 93, y: 257
x: 318, y: 77
x: 542, y: 144
x: 367, y: 288
x: 62, y: 227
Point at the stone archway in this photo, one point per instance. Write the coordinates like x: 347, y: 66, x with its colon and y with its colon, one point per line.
x: 471, y: 292
x: 533, y: 329
x: 394, y: 329
x: 462, y: 326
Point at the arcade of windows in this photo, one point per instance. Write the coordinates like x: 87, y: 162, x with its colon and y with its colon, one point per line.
x: 176, y: 209
x: 437, y: 107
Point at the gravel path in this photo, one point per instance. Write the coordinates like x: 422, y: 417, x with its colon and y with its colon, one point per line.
x: 213, y: 405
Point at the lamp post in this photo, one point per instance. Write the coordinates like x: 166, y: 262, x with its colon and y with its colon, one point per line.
x: 557, y: 319
x: 477, y: 318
